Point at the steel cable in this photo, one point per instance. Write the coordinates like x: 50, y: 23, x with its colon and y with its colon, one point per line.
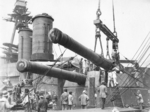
x: 49, y: 69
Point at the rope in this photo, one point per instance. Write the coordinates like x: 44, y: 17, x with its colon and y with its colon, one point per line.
x: 125, y: 81
x: 114, y: 18
x: 121, y: 93
x: 139, y: 48
x: 59, y: 48
x: 141, y: 45
x: 97, y: 30
x: 49, y: 69
x: 54, y: 51
x: 143, y: 54
x: 145, y: 60
x: 131, y: 83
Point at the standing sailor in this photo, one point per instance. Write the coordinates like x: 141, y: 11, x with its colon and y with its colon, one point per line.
x: 102, y: 94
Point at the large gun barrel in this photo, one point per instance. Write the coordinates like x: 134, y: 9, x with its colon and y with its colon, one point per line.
x: 28, y: 66
x: 56, y: 36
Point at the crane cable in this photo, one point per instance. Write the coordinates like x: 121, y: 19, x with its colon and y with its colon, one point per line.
x: 97, y: 30
x: 113, y: 11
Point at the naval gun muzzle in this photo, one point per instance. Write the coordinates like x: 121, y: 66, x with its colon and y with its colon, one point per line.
x: 28, y: 66
x: 56, y: 36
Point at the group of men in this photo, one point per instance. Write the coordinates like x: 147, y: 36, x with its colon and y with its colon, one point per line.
x: 5, y: 102
x: 67, y: 100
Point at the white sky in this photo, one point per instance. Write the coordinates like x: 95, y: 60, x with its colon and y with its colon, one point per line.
x: 75, y: 18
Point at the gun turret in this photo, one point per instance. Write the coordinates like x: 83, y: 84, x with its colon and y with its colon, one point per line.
x: 27, y: 66
x: 56, y: 36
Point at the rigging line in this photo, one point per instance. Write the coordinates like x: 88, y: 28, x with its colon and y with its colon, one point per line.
x: 54, y: 51
x: 140, y: 76
x: 122, y: 92
x: 50, y: 68
x: 125, y: 81
x: 124, y: 57
x: 145, y: 59
x: 143, y: 54
x: 140, y: 47
x: 59, y: 48
x: 144, y: 51
x: 131, y: 83
x: 144, y: 44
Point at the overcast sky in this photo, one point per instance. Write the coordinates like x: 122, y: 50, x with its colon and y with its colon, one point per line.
x: 75, y: 18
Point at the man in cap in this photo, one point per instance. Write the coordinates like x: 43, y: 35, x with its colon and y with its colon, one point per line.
x: 83, y: 98
x: 64, y: 99
x: 5, y: 106
x: 102, y: 89
x: 42, y: 104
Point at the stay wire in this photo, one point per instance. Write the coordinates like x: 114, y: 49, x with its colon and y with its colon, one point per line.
x: 140, y: 75
x: 129, y: 75
x: 126, y: 80
x: 139, y: 48
x: 142, y: 56
x: 133, y: 58
x: 53, y: 64
x: 49, y: 69
x: 122, y: 92
x: 131, y: 83
x: 59, y: 48
x: 142, y: 48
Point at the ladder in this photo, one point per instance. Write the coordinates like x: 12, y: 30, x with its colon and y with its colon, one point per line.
x: 116, y: 97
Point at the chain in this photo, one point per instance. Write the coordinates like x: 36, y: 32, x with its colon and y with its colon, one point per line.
x: 107, y: 48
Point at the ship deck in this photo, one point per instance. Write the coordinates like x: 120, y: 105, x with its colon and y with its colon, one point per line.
x: 107, y: 109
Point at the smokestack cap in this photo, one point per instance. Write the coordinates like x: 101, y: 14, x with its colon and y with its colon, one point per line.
x: 45, y: 15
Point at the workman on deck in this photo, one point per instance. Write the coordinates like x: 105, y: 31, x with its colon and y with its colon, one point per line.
x: 140, y: 99
x: 102, y: 89
x: 64, y: 99
x: 42, y: 104
x: 5, y: 106
x: 84, y: 98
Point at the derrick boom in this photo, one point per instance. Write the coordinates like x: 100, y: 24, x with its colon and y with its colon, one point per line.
x: 27, y: 66
x: 56, y: 36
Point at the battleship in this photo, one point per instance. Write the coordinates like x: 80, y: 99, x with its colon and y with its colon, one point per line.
x: 32, y: 61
